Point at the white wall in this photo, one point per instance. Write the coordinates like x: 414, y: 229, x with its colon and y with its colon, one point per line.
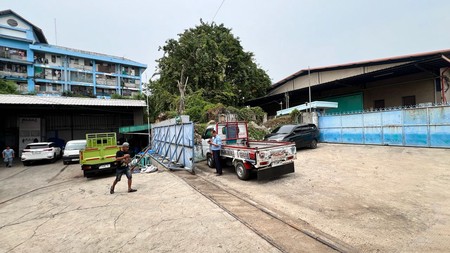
x: 13, y: 33
x: 20, y: 23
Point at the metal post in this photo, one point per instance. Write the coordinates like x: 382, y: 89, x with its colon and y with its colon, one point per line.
x: 309, y: 87
x: 148, y: 119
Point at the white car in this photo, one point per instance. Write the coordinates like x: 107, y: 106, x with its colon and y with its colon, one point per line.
x: 40, y: 151
x: 71, y: 152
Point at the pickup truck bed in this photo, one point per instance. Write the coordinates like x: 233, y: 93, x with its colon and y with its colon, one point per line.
x: 268, y: 158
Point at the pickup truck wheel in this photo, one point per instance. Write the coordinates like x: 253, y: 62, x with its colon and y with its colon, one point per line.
x: 313, y: 144
x: 210, y: 161
x: 87, y: 174
x: 241, y: 171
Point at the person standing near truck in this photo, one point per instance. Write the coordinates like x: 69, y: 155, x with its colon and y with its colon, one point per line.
x: 216, y: 145
x: 8, y: 156
x: 123, y: 159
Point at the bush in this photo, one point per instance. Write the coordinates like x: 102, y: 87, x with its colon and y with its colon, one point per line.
x: 116, y: 96
x: 67, y: 94
x: 8, y: 87
x: 138, y: 96
x: 252, y: 114
x: 256, y: 133
x: 295, y: 114
x: 212, y: 110
x: 276, y: 122
x: 196, y: 114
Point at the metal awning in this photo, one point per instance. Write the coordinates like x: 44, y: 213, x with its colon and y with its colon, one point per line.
x: 312, y: 105
x: 134, y: 129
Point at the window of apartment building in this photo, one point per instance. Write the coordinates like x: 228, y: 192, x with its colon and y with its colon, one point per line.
x: 53, y: 58
x: 409, y: 100
x: 12, y: 53
x: 126, y: 92
x: 87, y: 62
x: 76, y: 61
x: 54, y: 87
x: 377, y: 104
x: 42, y: 87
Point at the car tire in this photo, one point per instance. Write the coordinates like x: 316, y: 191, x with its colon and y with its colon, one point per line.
x: 65, y: 163
x: 26, y: 163
x: 313, y: 144
x: 241, y: 172
x: 210, y: 161
x: 54, y: 158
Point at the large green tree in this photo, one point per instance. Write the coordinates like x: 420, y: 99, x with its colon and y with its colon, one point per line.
x: 209, y: 61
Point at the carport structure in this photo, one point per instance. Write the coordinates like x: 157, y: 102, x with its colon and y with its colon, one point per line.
x: 27, y: 118
x: 409, y: 80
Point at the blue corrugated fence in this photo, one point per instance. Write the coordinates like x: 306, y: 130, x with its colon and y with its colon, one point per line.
x: 421, y: 127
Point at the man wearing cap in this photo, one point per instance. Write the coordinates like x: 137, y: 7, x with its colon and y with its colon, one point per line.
x: 123, y: 159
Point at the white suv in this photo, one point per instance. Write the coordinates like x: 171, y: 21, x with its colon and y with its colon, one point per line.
x: 40, y: 151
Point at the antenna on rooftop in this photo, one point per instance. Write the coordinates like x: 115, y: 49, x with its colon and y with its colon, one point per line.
x: 56, y: 35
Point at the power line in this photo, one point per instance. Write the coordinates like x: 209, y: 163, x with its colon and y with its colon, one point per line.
x: 218, y: 9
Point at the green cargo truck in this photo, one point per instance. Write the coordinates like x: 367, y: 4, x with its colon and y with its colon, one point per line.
x: 99, y: 154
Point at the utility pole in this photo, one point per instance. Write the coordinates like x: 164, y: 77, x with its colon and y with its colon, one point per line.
x: 309, y: 88
x: 56, y: 35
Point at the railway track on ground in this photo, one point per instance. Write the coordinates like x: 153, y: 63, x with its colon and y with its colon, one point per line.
x: 282, y: 232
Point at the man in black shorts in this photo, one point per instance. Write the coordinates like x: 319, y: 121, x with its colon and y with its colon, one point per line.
x: 123, y: 159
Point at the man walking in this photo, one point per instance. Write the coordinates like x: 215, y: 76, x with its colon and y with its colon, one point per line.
x: 8, y: 156
x: 216, y: 145
x: 123, y: 159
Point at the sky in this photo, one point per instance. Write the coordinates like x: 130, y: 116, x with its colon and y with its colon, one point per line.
x: 284, y: 35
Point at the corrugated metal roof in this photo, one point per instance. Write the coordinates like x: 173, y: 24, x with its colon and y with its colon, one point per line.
x: 88, y: 54
x: 41, y: 100
x: 404, y: 59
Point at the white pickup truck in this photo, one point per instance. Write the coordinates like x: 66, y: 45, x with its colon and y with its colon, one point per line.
x: 269, y: 159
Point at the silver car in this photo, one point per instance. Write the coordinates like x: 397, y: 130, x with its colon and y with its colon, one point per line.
x: 71, y: 152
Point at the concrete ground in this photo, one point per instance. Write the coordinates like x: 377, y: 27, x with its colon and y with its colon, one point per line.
x: 373, y: 198
x: 52, y: 208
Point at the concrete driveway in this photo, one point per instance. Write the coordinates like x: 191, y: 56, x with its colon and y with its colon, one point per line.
x: 52, y: 208
x: 374, y: 198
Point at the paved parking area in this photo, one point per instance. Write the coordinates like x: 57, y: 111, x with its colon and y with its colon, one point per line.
x: 375, y: 198
x: 52, y: 208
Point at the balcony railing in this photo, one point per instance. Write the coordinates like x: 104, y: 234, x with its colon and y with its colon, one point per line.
x: 13, y: 74
x: 80, y: 66
x: 13, y: 55
x: 104, y: 81
x: 82, y: 79
x: 131, y: 85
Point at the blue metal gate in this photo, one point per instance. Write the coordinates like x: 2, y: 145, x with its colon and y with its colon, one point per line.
x: 420, y: 127
x: 173, y: 143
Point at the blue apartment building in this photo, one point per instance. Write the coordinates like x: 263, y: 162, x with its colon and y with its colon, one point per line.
x: 65, y: 92
x: 40, y: 68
